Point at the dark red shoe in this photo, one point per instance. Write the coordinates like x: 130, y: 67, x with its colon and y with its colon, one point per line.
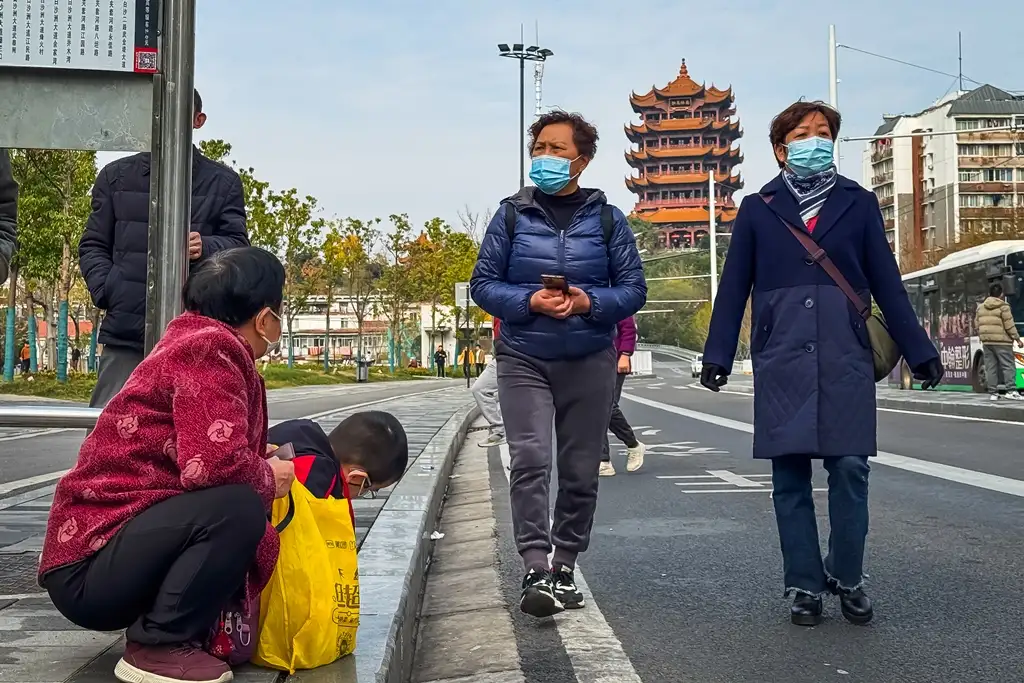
x: 183, y: 663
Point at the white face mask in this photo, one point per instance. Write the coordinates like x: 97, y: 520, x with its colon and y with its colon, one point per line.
x: 272, y: 347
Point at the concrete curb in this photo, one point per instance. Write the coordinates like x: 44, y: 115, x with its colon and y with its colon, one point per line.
x: 1005, y: 413
x: 392, y: 565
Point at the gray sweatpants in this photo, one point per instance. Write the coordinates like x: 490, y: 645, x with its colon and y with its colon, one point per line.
x: 576, y: 395
x: 485, y: 391
x: 1000, y: 368
x: 116, y: 365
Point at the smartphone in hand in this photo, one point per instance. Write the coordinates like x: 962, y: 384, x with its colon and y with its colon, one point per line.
x: 555, y: 282
x: 283, y: 452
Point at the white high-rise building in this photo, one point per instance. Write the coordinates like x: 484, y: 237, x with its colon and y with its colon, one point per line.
x: 933, y: 188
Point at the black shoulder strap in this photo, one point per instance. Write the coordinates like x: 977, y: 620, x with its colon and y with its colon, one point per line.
x: 510, y: 220
x: 607, y: 223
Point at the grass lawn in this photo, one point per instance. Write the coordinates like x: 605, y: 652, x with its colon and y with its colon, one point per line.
x: 279, y: 376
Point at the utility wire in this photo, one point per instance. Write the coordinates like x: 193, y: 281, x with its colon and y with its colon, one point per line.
x: 910, y: 64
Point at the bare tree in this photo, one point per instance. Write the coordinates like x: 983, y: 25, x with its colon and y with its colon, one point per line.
x: 474, y: 223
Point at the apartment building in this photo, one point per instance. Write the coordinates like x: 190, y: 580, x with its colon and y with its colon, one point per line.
x: 940, y: 173
x: 309, y: 329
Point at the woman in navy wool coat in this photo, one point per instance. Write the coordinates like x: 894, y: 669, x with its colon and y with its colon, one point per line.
x: 814, y: 386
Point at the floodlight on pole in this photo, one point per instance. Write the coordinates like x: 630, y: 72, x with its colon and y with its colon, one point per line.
x: 532, y: 53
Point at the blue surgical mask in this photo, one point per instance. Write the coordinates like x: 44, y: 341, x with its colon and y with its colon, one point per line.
x: 809, y: 156
x: 550, y: 174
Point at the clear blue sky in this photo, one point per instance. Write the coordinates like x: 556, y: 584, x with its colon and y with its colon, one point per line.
x: 399, y: 106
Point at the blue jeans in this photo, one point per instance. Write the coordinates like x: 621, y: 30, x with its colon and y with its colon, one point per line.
x: 805, y: 572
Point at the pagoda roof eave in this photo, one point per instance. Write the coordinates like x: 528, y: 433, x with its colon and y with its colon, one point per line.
x: 687, y: 215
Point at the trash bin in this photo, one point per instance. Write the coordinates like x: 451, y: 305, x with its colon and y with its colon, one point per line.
x: 362, y: 371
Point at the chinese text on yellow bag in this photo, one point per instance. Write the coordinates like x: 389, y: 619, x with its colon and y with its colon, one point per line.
x: 309, y: 611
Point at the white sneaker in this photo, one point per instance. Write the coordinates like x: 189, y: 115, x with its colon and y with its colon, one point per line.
x: 607, y: 470
x: 494, y: 439
x: 635, y: 457
x: 1014, y: 396
x: 994, y: 397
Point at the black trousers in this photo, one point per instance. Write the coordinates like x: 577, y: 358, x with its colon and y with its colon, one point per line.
x: 440, y: 369
x: 618, y: 424
x: 167, y: 573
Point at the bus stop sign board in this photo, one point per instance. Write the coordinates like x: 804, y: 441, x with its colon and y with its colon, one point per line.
x: 76, y: 74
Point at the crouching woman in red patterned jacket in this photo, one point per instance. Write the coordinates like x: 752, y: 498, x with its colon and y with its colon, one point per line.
x: 163, y: 520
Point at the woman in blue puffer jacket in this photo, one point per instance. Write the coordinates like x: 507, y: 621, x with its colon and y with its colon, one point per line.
x: 559, y: 266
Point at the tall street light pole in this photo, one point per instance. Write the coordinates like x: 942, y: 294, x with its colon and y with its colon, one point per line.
x: 524, y: 55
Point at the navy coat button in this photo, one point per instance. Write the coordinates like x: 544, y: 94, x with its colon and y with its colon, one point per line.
x: 809, y: 348
x: 809, y: 303
x: 808, y: 260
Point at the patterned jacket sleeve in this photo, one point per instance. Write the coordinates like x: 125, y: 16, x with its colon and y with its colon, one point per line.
x: 211, y: 421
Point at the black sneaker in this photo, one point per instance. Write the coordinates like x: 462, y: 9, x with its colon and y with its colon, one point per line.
x: 538, y: 598
x: 566, y: 591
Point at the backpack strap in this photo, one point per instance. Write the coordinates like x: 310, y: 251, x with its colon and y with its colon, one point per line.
x: 510, y: 220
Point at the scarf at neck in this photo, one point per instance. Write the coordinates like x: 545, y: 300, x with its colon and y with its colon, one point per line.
x: 810, y: 192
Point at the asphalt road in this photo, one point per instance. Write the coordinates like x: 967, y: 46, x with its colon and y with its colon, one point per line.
x: 25, y: 454
x: 685, y: 569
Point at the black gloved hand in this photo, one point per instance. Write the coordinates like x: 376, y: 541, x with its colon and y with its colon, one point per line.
x: 713, y: 377
x: 930, y: 373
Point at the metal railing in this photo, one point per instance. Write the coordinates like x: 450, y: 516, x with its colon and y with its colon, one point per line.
x: 48, y: 416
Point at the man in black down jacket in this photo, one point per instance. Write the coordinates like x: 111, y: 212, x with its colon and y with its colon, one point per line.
x: 8, y: 215
x: 112, y: 253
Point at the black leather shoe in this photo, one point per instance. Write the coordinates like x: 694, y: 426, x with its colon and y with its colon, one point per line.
x: 806, y: 610
x: 855, y: 604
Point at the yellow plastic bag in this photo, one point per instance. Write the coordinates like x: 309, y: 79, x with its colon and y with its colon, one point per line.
x: 309, y: 612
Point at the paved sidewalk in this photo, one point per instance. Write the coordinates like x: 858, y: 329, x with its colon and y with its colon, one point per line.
x: 37, y: 645
x: 466, y: 635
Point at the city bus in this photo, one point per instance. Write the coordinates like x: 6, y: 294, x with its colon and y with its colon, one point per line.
x: 946, y: 297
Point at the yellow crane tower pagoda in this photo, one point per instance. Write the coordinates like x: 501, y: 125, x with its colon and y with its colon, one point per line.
x: 686, y: 131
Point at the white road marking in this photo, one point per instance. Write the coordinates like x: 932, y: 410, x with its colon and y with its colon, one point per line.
x: 737, y: 490
x: 595, y: 653
x: 704, y: 476
x: 899, y: 411
x: 982, y: 480
x: 9, y: 486
x: 32, y: 434
x: 735, y: 479
x: 650, y: 432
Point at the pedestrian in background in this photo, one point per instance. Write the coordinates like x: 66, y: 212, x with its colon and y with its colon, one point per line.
x: 814, y: 383
x: 998, y: 334
x: 559, y: 266
x: 113, y: 250
x: 440, y: 360
x: 485, y: 392
x: 625, y: 345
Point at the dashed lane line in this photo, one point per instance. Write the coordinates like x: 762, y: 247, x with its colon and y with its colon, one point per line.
x: 595, y: 653
x: 982, y: 480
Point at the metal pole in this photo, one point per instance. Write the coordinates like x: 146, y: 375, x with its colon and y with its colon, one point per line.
x: 833, y: 82
x: 711, y: 234
x: 522, y: 123
x: 170, y: 190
